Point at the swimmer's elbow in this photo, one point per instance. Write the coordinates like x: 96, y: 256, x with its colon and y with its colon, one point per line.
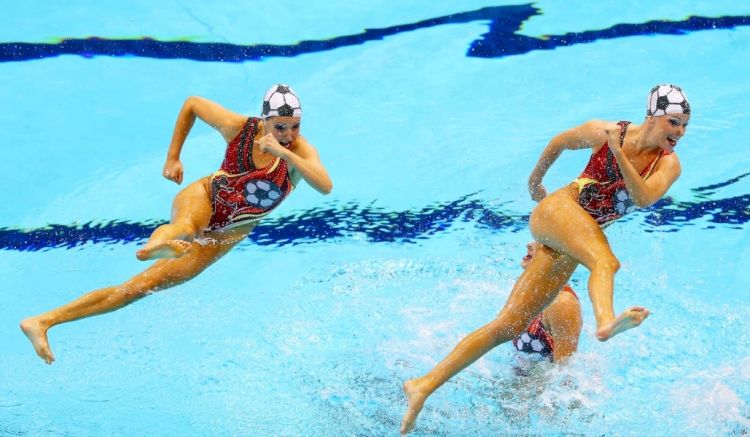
x: 189, y: 107
x: 556, y: 146
x: 190, y: 102
x: 644, y: 202
x: 193, y: 104
x: 326, y: 188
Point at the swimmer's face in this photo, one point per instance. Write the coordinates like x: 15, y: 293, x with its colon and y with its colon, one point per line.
x: 284, y: 129
x: 530, y: 248
x: 669, y: 129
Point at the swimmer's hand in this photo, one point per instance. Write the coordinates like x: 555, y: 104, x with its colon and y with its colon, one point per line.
x: 173, y: 170
x: 537, y: 191
x: 613, y: 140
x: 269, y: 144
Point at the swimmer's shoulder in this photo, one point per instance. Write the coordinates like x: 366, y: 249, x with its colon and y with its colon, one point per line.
x: 670, y: 164
x: 590, y: 134
x: 563, y: 317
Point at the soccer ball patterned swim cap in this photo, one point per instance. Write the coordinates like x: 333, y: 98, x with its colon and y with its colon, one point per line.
x: 281, y: 101
x: 667, y: 99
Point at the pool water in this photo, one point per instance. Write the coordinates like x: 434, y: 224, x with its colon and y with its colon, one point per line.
x: 429, y: 118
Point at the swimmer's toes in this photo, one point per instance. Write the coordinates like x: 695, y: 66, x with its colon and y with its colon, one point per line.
x: 639, y: 314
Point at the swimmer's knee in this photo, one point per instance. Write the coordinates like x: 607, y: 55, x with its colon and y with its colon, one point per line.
x: 608, y: 264
x: 141, y: 287
x: 187, y: 228
x: 130, y: 293
x: 180, y: 229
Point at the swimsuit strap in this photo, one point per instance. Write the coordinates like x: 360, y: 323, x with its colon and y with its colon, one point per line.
x: 623, y: 128
x: 247, y: 136
x: 650, y: 168
x: 613, y: 170
x: 570, y: 290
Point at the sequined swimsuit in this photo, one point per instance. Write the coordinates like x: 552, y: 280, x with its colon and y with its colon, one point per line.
x: 242, y: 193
x: 601, y: 187
x: 537, y: 339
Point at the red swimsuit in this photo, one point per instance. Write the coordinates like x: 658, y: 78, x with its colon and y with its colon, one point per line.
x: 241, y: 193
x: 536, y: 339
x: 601, y: 187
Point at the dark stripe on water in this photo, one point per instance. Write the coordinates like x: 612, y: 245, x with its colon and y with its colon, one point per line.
x: 378, y: 225
x: 501, y: 40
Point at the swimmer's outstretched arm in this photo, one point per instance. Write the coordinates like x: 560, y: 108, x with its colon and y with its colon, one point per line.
x: 585, y: 136
x: 304, y: 160
x: 228, y: 123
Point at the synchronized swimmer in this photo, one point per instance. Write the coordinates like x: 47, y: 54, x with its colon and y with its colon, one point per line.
x: 265, y: 159
x: 630, y: 166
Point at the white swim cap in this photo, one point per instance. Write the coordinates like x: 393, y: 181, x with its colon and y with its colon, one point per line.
x: 667, y: 99
x: 281, y: 101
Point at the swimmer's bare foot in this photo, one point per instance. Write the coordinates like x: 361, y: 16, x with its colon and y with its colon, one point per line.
x: 415, y: 398
x: 629, y: 319
x: 166, y: 249
x: 37, y: 334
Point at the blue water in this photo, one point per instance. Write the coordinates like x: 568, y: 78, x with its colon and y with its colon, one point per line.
x: 311, y: 326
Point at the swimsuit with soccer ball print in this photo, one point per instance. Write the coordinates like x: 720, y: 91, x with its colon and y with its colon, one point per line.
x: 601, y: 187
x: 537, y: 339
x: 242, y: 193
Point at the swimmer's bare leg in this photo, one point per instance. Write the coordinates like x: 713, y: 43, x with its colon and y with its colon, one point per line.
x: 191, y: 213
x: 534, y: 290
x: 160, y: 275
x: 577, y: 234
x: 601, y: 287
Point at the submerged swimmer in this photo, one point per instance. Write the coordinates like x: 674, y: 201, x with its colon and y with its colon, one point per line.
x: 555, y: 331
x: 630, y: 166
x: 264, y: 160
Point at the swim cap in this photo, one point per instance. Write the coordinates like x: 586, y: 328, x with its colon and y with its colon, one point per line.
x: 667, y: 99
x: 281, y: 101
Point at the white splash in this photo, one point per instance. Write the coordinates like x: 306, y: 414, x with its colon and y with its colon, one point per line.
x: 711, y: 400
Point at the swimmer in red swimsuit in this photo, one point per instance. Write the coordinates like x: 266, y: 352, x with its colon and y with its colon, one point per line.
x: 555, y: 331
x: 630, y: 166
x: 265, y: 159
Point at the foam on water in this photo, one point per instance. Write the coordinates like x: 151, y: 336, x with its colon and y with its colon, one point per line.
x: 711, y: 399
